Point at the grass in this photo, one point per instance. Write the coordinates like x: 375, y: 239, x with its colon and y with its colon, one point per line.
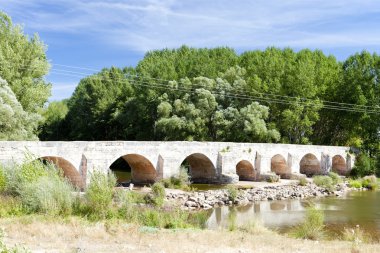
x: 302, y: 181
x: 313, y: 226
x: 181, y: 181
x: 369, y: 182
x: 324, y: 182
x: 356, y: 235
x: 355, y: 183
x: 232, y: 192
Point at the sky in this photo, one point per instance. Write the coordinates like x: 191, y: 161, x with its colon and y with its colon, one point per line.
x: 84, y: 36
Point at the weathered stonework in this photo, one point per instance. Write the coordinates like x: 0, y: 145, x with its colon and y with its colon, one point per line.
x: 213, y: 162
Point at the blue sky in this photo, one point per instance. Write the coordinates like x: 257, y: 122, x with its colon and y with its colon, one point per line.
x: 84, y: 36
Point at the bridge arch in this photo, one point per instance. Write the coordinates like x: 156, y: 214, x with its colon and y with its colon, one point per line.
x: 135, y: 168
x: 310, y: 165
x: 279, y: 166
x: 68, y: 169
x: 200, y: 168
x: 339, y: 165
x: 246, y: 171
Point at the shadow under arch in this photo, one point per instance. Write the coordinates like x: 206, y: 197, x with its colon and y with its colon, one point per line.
x: 68, y: 169
x: 279, y: 166
x: 310, y: 165
x: 339, y: 165
x: 246, y: 171
x: 134, y: 168
x: 200, y: 168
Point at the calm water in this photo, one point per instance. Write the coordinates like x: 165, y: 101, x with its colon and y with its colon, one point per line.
x: 356, y: 208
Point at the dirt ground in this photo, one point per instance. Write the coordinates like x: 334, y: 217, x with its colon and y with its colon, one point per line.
x: 74, y: 235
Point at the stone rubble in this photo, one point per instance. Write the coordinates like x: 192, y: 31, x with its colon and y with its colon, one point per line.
x: 215, y: 198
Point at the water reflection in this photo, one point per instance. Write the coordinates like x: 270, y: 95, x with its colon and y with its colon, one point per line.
x: 361, y: 208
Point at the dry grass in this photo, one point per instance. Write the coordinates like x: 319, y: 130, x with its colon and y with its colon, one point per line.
x: 75, y: 235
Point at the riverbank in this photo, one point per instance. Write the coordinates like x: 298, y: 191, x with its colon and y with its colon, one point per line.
x: 40, y: 234
x: 287, y: 189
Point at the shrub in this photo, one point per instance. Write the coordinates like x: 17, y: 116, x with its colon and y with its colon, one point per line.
x: 355, y: 183
x: 302, y: 181
x: 363, y: 166
x: 336, y: 179
x: 273, y: 178
x: 2, y: 179
x: 312, y: 228
x: 99, y: 192
x: 232, y: 192
x: 324, y: 181
x: 48, y: 195
x: 157, y: 196
x: 181, y: 181
x: 370, y: 182
x: 10, y: 206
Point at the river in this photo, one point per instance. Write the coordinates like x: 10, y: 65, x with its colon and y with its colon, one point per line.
x: 355, y: 208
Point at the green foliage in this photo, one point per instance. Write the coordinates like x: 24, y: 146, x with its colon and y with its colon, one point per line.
x: 302, y: 181
x: 313, y: 226
x: 157, y: 196
x: 23, y: 64
x: 355, y: 183
x: 49, y: 194
x: 99, y: 192
x: 336, y: 179
x: 182, y: 181
x: 325, y: 182
x: 17, y: 124
x: 3, y: 182
x: 370, y: 182
x: 53, y: 127
x: 232, y: 192
x: 11, y: 206
x: 363, y: 166
x: 272, y: 178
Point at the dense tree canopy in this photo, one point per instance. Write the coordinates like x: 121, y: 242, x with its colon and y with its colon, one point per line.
x: 15, y: 123
x: 23, y: 64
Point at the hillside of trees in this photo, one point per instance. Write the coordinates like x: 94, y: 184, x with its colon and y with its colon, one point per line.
x: 272, y: 95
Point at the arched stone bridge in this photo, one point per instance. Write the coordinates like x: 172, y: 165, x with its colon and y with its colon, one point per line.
x: 212, y: 162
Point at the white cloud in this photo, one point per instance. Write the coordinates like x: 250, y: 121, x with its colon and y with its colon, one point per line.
x: 148, y: 24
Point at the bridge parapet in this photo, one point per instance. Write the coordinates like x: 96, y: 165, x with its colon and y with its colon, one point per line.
x: 206, y: 161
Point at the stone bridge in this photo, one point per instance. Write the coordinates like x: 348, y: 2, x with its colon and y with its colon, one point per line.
x: 211, y: 162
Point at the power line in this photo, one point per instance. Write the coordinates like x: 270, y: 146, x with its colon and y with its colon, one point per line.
x: 230, y: 95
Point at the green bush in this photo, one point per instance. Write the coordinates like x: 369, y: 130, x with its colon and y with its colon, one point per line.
x: 232, y: 192
x: 181, y: 181
x: 302, y: 181
x: 336, y: 179
x: 355, y: 183
x: 364, y: 166
x: 324, y: 181
x: 312, y: 228
x: 99, y: 192
x: 3, y: 182
x: 157, y: 196
x: 370, y: 182
x: 49, y: 194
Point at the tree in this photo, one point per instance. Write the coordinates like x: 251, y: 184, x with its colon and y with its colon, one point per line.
x: 15, y: 123
x: 23, y: 64
x: 54, y: 127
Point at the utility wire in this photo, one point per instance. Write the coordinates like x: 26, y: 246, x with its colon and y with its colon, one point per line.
x: 226, y: 94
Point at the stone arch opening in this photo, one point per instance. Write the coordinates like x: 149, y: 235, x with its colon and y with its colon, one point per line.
x: 310, y: 165
x: 279, y: 166
x: 134, y: 168
x: 68, y: 169
x: 200, y: 168
x: 339, y: 165
x: 246, y: 171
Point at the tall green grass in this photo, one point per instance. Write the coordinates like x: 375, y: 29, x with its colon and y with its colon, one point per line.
x: 313, y: 226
